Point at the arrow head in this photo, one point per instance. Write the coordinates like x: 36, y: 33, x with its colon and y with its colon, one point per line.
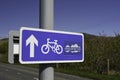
x: 32, y: 40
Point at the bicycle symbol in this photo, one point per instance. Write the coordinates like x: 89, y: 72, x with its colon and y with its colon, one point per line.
x: 56, y: 48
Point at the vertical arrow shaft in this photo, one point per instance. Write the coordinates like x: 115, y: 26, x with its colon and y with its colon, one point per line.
x: 32, y: 41
x: 31, y: 49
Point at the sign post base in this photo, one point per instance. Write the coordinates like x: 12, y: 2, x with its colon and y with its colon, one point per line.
x: 46, y: 72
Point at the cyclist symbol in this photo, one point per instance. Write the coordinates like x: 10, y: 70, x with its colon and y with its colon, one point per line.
x: 55, y: 47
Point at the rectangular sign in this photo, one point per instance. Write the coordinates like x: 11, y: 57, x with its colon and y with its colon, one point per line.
x: 13, y: 49
x: 48, y: 46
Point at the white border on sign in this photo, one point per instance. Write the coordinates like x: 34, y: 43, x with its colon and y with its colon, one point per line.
x: 52, y: 31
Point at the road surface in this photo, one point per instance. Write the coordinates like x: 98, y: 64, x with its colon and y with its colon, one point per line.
x: 16, y: 72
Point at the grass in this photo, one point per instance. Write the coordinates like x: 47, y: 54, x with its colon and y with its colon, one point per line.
x: 4, y: 58
x: 92, y: 75
x: 88, y: 74
x: 30, y: 65
x: 81, y: 73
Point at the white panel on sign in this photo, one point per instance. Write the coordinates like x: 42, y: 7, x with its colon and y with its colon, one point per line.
x: 16, y: 49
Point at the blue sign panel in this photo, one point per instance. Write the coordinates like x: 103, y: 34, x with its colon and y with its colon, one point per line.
x: 48, y: 46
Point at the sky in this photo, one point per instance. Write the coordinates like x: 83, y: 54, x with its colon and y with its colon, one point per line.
x: 87, y: 16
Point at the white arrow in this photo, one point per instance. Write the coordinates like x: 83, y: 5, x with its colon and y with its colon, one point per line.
x: 32, y: 41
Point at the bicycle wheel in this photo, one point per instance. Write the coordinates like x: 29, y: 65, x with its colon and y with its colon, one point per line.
x: 45, y: 49
x: 59, y: 49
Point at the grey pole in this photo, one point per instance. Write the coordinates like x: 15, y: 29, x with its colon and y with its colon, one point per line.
x: 47, y: 14
x: 46, y: 71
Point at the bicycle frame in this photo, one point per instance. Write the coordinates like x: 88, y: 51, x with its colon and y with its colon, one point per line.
x: 56, y: 48
x: 54, y: 44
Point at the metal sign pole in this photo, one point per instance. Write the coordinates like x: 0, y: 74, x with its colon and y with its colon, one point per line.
x: 46, y: 71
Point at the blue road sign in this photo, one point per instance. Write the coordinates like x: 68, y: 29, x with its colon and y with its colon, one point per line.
x: 48, y: 46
